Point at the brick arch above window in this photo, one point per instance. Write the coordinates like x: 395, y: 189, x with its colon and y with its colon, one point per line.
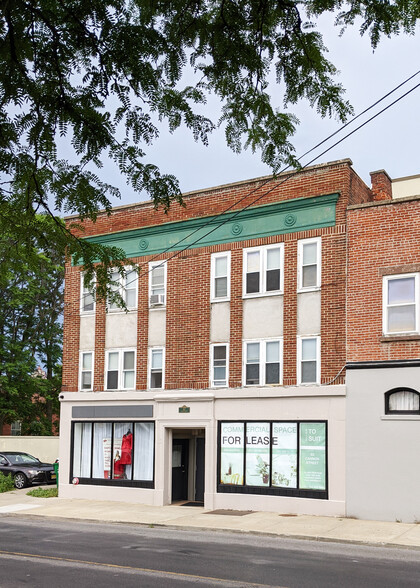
x: 402, y: 401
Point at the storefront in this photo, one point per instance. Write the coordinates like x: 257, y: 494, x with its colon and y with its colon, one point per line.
x: 187, y: 447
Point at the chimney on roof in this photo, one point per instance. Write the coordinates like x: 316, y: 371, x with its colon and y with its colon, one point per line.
x: 381, y: 185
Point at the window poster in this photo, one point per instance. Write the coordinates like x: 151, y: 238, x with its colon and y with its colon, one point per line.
x: 107, y: 456
x: 257, y: 454
x: 232, y: 453
x: 284, y: 447
x: 312, y: 465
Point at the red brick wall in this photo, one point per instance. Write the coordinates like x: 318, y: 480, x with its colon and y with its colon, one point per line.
x: 188, y: 284
x: 71, y: 326
x: 383, y: 239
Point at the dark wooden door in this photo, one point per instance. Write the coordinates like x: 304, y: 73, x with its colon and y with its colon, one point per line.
x: 180, y: 469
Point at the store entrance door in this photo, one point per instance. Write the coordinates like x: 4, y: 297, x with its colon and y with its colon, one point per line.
x: 180, y: 454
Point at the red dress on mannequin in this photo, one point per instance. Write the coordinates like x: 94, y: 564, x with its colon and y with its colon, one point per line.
x: 126, y: 448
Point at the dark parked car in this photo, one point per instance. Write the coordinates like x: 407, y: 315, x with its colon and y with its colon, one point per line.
x: 26, y: 469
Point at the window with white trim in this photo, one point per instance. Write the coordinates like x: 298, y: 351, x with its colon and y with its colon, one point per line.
x: 87, y: 295
x: 220, y: 276
x: 120, y: 369
x: 401, y: 304
x: 156, y: 367
x: 219, y: 362
x: 309, y: 264
x: 402, y: 401
x: 309, y: 363
x: 126, y: 286
x: 263, y: 270
x: 157, y: 283
x: 86, y: 371
x: 262, y: 362
x: 16, y: 429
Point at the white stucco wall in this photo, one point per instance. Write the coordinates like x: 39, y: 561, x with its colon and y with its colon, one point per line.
x: 263, y: 317
x: 309, y: 313
x: 87, y: 332
x: 383, y: 473
x: 46, y: 449
x: 121, y: 330
x: 157, y: 327
x: 220, y: 322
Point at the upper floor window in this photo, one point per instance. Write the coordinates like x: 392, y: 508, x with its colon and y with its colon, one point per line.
x: 220, y: 276
x: 120, y: 369
x: 309, y: 264
x: 156, y: 367
x: 262, y: 362
x: 86, y: 371
x: 157, y: 283
x: 401, y: 304
x: 263, y: 270
x: 219, y: 355
x: 402, y: 401
x: 87, y: 295
x: 126, y: 286
x: 16, y: 428
x: 309, y: 363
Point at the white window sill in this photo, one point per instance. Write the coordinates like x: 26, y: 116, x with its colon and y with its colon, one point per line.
x: 87, y: 313
x: 263, y: 294
x: 162, y: 307
x: 214, y: 300
x: 311, y: 289
x: 121, y: 310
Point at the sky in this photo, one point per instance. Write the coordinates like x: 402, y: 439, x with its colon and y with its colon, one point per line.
x: 388, y: 142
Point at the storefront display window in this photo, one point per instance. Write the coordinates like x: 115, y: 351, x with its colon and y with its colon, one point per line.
x: 119, y: 453
x: 273, y: 457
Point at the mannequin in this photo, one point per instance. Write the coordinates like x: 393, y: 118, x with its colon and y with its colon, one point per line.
x: 126, y: 448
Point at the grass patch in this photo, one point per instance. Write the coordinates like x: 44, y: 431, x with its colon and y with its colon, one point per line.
x: 6, y: 483
x: 43, y: 492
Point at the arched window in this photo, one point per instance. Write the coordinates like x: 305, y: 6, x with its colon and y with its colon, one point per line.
x: 402, y: 401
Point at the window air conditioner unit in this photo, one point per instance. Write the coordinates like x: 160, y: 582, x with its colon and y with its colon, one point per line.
x: 157, y: 300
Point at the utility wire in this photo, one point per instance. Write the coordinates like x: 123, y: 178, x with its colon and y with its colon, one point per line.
x: 270, y: 179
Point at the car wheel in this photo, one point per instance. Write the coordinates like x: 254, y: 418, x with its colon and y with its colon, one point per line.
x: 20, y: 480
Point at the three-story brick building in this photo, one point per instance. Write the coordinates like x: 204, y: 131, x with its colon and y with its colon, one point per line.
x: 225, y: 380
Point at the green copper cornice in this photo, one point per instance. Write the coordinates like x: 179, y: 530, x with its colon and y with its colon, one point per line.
x: 290, y: 216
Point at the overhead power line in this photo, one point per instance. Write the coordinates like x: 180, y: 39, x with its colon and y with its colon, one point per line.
x: 271, y: 179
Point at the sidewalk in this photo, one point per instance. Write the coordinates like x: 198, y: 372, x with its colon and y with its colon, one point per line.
x: 378, y: 533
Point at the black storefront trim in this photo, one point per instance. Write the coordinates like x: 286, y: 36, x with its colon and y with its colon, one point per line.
x: 394, y: 363
x: 109, y: 481
x: 272, y: 490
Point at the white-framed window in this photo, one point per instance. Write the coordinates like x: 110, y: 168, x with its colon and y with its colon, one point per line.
x: 309, y: 360
x: 126, y: 286
x: 262, y: 362
x: 156, y: 367
x: 263, y: 270
x: 401, y: 306
x: 220, y: 276
x: 120, y: 369
x: 16, y: 429
x: 309, y: 264
x: 219, y: 365
x: 86, y: 371
x: 157, y: 283
x: 87, y: 295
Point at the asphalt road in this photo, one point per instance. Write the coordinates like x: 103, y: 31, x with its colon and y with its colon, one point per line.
x: 40, y: 553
